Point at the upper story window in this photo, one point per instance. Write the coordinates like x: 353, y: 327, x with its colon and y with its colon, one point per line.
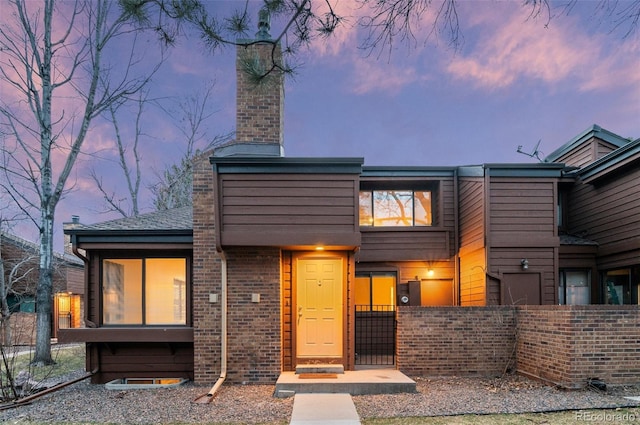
x: 144, y: 291
x: 396, y: 208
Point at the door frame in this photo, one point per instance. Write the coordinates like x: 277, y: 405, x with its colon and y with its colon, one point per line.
x: 325, y: 255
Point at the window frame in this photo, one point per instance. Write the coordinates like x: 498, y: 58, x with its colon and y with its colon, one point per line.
x: 562, y: 284
x: 143, y: 256
x: 413, y: 187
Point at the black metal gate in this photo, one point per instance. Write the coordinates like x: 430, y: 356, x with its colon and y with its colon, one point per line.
x: 375, y: 335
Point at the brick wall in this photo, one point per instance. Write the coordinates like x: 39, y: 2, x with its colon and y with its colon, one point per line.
x: 254, y: 336
x: 436, y: 341
x: 206, y: 276
x: 568, y: 345
x: 259, y: 115
x: 561, y: 345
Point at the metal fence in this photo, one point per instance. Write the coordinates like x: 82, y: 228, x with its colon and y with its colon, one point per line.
x: 375, y: 335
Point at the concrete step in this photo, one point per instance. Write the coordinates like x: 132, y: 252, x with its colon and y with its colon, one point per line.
x: 360, y: 382
x: 324, y: 409
x: 319, y: 368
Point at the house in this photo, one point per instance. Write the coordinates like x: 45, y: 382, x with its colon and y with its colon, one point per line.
x: 20, y: 258
x: 287, y: 261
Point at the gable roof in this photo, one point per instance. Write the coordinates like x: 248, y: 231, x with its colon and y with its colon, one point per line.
x: 613, y: 161
x: 593, y: 131
x: 32, y: 247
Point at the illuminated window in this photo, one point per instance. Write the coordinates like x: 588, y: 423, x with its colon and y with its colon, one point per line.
x: 375, y: 292
x: 144, y: 291
x: 395, y: 208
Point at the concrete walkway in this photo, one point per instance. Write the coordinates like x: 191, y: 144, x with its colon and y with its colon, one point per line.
x: 324, y: 409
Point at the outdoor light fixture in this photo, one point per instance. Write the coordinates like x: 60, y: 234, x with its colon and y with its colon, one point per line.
x: 524, y: 263
x: 430, y: 272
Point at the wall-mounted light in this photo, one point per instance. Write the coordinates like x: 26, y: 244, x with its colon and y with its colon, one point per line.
x: 524, y: 263
x: 430, y: 272
x: 319, y: 248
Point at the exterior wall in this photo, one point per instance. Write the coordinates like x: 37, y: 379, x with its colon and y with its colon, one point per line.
x: 522, y: 224
x: 586, y: 153
x: 562, y: 345
x: 254, y: 331
x: 288, y: 209
x: 606, y: 211
x: 441, y: 278
x: 454, y: 341
x: 288, y: 362
x: 407, y: 244
x: 206, y: 277
x: 568, y: 345
x: 22, y: 328
x: 473, y: 262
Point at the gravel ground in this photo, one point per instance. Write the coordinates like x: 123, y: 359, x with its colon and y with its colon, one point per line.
x: 83, y: 402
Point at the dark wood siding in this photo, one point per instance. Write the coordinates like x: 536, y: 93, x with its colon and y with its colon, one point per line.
x: 133, y: 351
x: 471, y: 213
x: 404, y: 245
x: 522, y: 225
x: 607, y: 212
x: 288, y: 209
x: 473, y: 286
x: 586, y: 153
x: 137, y: 360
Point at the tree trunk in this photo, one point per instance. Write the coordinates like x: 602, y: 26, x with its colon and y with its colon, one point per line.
x: 44, y: 292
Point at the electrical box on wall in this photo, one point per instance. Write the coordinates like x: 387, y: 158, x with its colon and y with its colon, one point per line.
x: 408, y: 293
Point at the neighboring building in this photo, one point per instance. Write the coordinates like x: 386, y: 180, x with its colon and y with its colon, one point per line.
x: 21, y: 258
x: 284, y: 261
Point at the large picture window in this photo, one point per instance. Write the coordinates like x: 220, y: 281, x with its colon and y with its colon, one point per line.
x: 393, y: 208
x: 144, y: 291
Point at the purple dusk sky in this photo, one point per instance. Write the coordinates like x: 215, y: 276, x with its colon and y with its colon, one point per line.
x: 513, y: 82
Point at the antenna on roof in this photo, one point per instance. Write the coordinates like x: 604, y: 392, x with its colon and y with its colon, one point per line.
x: 534, y: 154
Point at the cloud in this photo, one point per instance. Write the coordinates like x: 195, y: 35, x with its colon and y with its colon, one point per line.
x: 511, y: 48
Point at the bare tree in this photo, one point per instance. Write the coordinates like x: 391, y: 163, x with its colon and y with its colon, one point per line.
x: 174, y: 183
x: 53, y: 54
x: 130, y: 166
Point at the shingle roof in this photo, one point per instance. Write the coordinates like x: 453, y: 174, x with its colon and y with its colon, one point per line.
x: 566, y: 239
x: 33, y: 247
x: 173, y: 219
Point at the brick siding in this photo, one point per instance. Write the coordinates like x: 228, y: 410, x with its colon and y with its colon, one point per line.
x: 206, y: 276
x: 561, y: 345
x: 448, y: 341
x: 569, y: 345
x: 254, y: 336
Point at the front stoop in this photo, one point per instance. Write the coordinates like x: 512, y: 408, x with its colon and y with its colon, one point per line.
x: 358, y: 382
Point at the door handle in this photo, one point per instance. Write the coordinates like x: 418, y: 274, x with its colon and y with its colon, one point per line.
x: 299, y: 314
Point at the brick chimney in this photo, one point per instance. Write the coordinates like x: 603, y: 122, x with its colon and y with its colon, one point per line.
x: 259, y: 102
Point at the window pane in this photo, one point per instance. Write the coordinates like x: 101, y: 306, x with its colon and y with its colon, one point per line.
x: 393, y: 208
x: 363, y: 292
x: 366, y: 209
x: 575, y: 285
x: 165, y: 291
x: 423, y: 215
x: 122, y: 292
x: 384, y: 296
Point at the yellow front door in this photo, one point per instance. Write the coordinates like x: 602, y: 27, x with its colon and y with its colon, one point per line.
x: 319, y: 307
